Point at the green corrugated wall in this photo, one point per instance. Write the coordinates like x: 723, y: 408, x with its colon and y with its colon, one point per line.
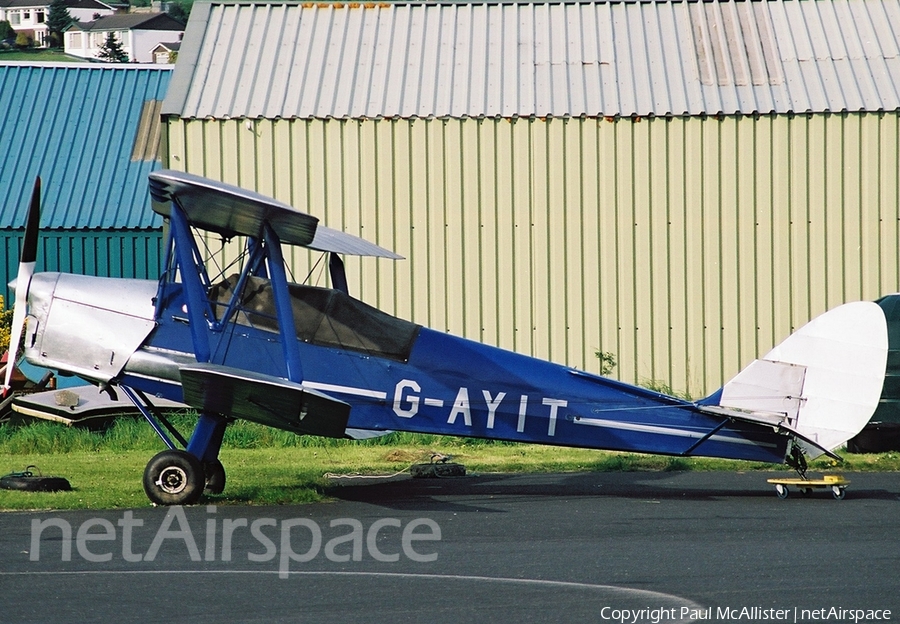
x: 685, y: 246
x: 89, y: 252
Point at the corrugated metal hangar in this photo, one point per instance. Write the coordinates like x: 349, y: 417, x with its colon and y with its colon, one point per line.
x: 678, y: 183
x: 91, y: 131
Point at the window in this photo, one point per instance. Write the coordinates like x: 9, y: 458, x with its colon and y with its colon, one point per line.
x: 26, y: 15
x: 39, y: 16
x: 15, y: 18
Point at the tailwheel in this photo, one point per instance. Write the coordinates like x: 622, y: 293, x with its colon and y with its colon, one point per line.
x: 215, y: 476
x: 174, y: 478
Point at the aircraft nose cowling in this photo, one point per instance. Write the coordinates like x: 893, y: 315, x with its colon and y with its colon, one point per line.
x: 87, y: 326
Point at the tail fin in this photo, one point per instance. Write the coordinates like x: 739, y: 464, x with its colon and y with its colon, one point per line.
x: 823, y: 382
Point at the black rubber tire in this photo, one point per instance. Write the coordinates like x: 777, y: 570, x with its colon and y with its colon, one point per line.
x: 781, y: 491
x: 35, y: 484
x: 174, y: 478
x: 215, y: 476
x: 838, y: 492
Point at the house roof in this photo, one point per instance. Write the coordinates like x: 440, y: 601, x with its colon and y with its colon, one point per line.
x: 71, y: 4
x: 86, y: 4
x: 568, y: 59
x: 25, y: 4
x: 131, y: 21
x: 171, y: 47
x: 92, y: 135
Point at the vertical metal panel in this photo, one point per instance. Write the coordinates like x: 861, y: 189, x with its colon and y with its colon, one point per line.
x: 685, y: 246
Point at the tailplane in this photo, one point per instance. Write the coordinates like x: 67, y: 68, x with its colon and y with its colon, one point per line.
x: 822, y: 384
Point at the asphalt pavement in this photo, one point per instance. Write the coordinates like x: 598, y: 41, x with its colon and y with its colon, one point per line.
x: 596, y: 547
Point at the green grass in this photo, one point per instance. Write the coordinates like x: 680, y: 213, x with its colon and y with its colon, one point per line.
x: 39, y: 54
x: 267, y: 466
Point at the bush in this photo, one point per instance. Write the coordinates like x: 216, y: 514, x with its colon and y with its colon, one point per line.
x: 5, y: 325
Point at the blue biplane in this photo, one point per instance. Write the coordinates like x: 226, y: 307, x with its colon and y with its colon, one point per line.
x: 250, y: 344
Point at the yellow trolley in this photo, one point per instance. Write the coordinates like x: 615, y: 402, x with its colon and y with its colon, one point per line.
x: 837, y: 483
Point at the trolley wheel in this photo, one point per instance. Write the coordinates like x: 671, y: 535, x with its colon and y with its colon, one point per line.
x: 838, y: 492
x: 174, y: 478
x: 781, y: 491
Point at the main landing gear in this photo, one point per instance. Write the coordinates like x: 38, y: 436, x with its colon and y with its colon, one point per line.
x: 179, y: 477
x: 174, y: 477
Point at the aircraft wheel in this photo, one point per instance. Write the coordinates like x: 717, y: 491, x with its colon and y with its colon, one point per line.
x: 838, y: 492
x: 174, y: 478
x: 781, y: 491
x: 215, y: 476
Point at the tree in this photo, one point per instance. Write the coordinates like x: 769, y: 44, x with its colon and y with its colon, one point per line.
x: 180, y: 10
x: 112, y: 50
x: 6, y: 30
x: 58, y: 19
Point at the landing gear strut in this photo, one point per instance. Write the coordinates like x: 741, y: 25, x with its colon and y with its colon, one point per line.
x: 179, y: 477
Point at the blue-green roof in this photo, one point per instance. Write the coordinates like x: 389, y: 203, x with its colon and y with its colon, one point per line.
x: 91, y: 132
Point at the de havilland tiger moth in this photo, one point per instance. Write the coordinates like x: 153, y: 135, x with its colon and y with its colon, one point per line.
x: 311, y: 360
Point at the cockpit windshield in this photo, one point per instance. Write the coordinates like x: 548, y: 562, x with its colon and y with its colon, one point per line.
x: 322, y: 316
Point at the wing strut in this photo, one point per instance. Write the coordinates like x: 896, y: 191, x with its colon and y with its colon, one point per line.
x: 283, y: 308
x: 338, y: 275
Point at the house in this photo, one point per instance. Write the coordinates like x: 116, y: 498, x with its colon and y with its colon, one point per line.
x: 89, y: 10
x: 166, y: 53
x: 27, y: 16
x: 139, y: 34
x: 678, y: 183
x: 30, y: 16
x: 93, y: 159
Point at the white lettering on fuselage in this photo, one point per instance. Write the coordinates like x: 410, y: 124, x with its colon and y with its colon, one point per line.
x: 461, y: 406
x: 412, y: 401
x: 407, y: 401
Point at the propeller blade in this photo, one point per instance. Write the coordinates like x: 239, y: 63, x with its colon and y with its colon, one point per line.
x: 23, y: 280
x: 32, y: 225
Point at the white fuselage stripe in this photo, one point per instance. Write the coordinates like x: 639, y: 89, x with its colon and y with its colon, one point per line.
x: 626, y: 426
x: 363, y: 392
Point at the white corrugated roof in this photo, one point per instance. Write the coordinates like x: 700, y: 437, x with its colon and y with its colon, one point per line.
x: 374, y: 60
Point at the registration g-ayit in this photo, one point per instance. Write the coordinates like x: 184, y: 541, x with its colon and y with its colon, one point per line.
x: 249, y: 344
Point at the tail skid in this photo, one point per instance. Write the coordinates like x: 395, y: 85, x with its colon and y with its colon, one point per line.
x: 822, y: 384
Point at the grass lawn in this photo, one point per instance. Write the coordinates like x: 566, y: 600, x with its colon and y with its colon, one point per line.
x: 39, y: 54
x: 266, y: 466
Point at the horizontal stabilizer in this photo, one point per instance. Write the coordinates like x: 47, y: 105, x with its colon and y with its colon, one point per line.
x: 264, y: 399
x: 777, y: 421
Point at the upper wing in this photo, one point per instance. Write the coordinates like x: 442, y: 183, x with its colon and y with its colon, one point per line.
x: 233, y: 211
